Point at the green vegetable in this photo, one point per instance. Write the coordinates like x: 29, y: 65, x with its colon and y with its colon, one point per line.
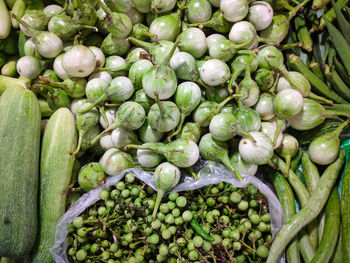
x: 309, y: 212
x: 331, y: 229
x: 5, y: 25
x: 55, y: 175
x: 19, y: 165
x: 345, y: 212
x: 286, y: 197
x: 200, y: 231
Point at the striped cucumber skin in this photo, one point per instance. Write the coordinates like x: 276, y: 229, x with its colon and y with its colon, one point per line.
x: 19, y: 165
x: 345, y: 210
x: 56, y: 166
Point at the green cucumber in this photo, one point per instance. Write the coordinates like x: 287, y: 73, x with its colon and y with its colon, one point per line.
x: 345, y: 210
x: 19, y: 166
x: 331, y: 229
x: 56, y: 166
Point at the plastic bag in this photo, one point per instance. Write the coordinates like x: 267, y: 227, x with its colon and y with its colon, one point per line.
x: 208, y: 173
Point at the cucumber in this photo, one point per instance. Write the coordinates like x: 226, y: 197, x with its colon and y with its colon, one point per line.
x: 56, y: 166
x: 345, y: 210
x: 331, y: 230
x: 19, y: 165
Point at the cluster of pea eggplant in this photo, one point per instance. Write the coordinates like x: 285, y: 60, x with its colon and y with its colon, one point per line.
x: 217, y: 223
x: 131, y: 97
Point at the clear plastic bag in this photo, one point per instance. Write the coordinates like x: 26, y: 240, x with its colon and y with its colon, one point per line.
x: 208, y: 173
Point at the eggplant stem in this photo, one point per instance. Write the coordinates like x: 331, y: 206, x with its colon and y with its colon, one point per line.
x: 81, y: 135
x: 159, y: 198
x: 99, y: 100
x: 179, y: 127
x: 316, y: 97
x: 277, y: 131
x: 228, y: 164
x: 286, y: 169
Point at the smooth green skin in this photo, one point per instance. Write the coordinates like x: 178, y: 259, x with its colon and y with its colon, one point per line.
x: 211, y: 149
x: 168, y: 121
x: 88, y: 15
x: 120, y: 25
x: 312, y: 209
x: 222, y: 50
x: 9, y: 69
x: 90, y: 176
x: 264, y: 106
x: 299, y: 78
x: 18, y: 9
x: 193, y: 41
x: 161, y: 79
x: 241, y: 165
x: 147, y: 134
x: 287, y: 104
x: 278, y: 29
x: 166, y: 27
x: 137, y: 70
x: 198, y: 11
x: 223, y: 126
x: 131, y: 115
x: 309, y: 117
x: 112, y: 45
x: 88, y: 119
x: 268, y: 55
x: 289, y: 146
x: 114, y: 161
x: 143, y: 6
x: 331, y: 229
x: 63, y: 26
x: 19, y: 167
x: 44, y: 108
x: 60, y: 138
x: 324, y: 149
x: 5, y: 25
x: 184, y: 66
x: 187, y: 97
x: 345, y: 213
x: 162, y: 6
x: 36, y: 21
x: 121, y: 6
x: 248, y: 119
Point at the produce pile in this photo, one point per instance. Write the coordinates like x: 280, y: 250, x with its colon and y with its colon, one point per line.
x: 91, y: 88
x: 120, y: 228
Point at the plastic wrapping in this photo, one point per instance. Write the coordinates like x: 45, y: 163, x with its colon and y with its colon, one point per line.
x: 208, y: 173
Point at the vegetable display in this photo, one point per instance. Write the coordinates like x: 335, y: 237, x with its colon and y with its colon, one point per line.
x: 259, y: 89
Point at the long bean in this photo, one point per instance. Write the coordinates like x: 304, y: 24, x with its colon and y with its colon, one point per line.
x: 338, y: 253
x: 5, y: 20
x: 296, y: 160
x: 331, y: 229
x: 305, y: 246
x: 317, y: 84
x: 286, y: 197
x: 311, y: 174
x: 340, y: 44
x: 337, y: 83
x: 309, y: 212
x: 303, y: 196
